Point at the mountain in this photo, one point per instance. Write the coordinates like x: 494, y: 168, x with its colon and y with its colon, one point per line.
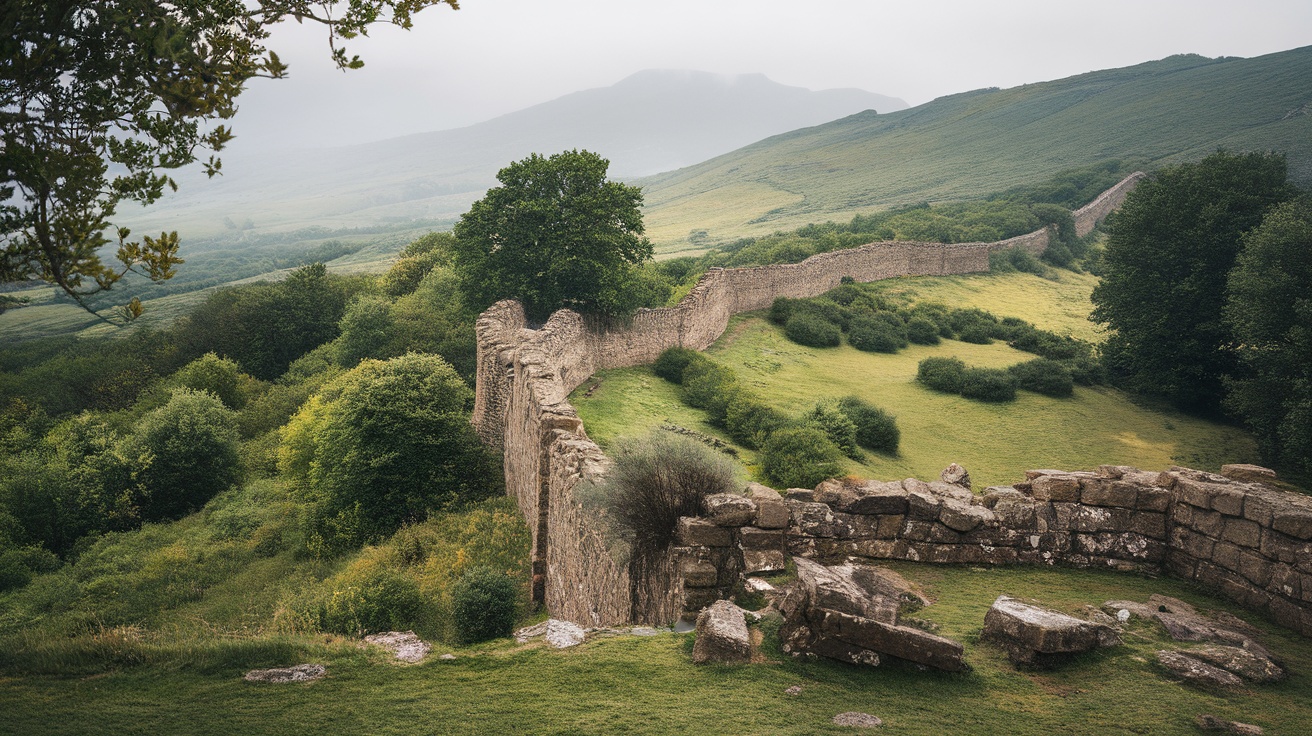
x: 969, y: 144
x: 650, y: 122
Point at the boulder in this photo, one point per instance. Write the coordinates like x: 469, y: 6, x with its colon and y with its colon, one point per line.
x: 771, y: 511
x: 1034, y: 635
x: 757, y: 561
x: 903, y: 642
x: 854, y: 719
x: 961, y: 516
x: 728, y: 509
x: 876, y: 498
x: 694, y: 532
x: 405, y: 645
x: 1251, y: 665
x: 295, y: 673
x: 1212, y: 723
x: 722, y: 635
x: 956, y: 475
x: 1245, y: 473
x: 556, y: 633
x: 1198, y: 672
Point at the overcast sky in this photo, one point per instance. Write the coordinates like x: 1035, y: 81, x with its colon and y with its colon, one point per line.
x: 455, y: 68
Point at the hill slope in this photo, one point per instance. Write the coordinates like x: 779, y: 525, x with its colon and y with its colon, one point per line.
x: 969, y: 144
x: 649, y: 122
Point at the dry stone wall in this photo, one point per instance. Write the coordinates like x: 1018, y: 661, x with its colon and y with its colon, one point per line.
x: 1233, y: 533
x: 525, y: 377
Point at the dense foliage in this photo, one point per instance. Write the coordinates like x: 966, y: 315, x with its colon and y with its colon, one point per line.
x: 483, y: 605
x: 555, y: 234
x: 800, y: 457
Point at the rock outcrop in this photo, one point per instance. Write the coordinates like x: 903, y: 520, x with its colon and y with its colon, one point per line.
x: 1033, y: 635
x: 404, y: 645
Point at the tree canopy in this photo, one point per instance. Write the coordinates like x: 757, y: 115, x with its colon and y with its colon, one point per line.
x: 554, y: 234
x: 99, y: 100
x: 1171, y: 247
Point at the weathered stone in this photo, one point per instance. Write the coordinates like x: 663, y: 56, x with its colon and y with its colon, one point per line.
x: 756, y: 561
x: 854, y: 719
x: 1034, y: 635
x: 1114, y: 471
x: 728, y: 509
x: 1242, y: 532
x: 857, y: 590
x: 696, y: 532
x: 844, y: 652
x: 722, y: 635
x: 947, y: 490
x: 556, y: 633
x: 1149, y: 524
x: 295, y: 673
x: 1248, y: 473
x: 1099, y: 518
x: 1212, y: 723
x: 699, y: 574
x: 1056, y: 488
x: 878, y: 498
x: 771, y: 511
x: 1249, y: 665
x: 955, y: 475
x: 923, y: 504
x: 1294, y: 521
x: 1255, y: 568
x: 813, y: 519
x: 757, y: 585
x: 1016, y: 513
x: 993, y: 494
x: 404, y: 645
x: 1229, y: 501
x: 836, y: 494
x: 751, y: 537
x: 963, y: 517
x: 1131, y: 608
x: 1198, y: 672
x: 1151, y: 498
x: 1209, y: 523
x: 1103, y: 492
x: 805, y: 495
x: 903, y: 642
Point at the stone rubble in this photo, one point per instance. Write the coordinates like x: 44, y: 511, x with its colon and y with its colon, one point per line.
x: 295, y: 673
x: 722, y: 636
x: 556, y: 633
x: 405, y: 645
x: 857, y: 720
x: 1032, y: 635
x: 1198, y: 672
x: 1212, y: 723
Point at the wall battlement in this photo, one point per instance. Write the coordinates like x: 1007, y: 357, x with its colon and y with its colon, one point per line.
x: 525, y: 377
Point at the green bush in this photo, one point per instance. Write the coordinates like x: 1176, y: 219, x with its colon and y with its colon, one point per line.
x: 671, y: 363
x: 782, y: 308
x: 875, y: 335
x: 216, y: 375
x: 988, y: 384
x: 1047, y: 344
x: 192, y: 445
x: 1043, y: 376
x: 876, y: 429
x: 382, y: 601
x: 922, y: 332
x: 837, y: 426
x: 483, y: 605
x: 812, y: 330
x: 19, y: 564
x: 751, y: 421
x: 704, y: 381
x: 1087, y: 370
x: 800, y: 457
x: 941, y: 374
x: 1015, y: 259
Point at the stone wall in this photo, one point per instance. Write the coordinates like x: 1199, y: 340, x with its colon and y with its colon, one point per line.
x: 525, y: 377
x: 1240, y: 537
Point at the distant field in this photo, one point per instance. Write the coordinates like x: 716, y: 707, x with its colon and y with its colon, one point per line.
x: 995, y: 442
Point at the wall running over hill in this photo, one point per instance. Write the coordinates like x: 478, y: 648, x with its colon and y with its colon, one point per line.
x: 525, y: 377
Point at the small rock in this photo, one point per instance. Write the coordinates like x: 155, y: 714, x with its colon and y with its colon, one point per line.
x: 794, y: 690
x: 448, y: 656
x: 404, y: 644
x: 1248, y: 473
x: 728, y: 509
x: 1198, y: 672
x: 1212, y: 723
x: 857, y: 720
x: 722, y: 635
x: 1122, y: 616
x: 558, y: 634
x: 296, y: 673
x: 643, y: 631
x: 956, y: 475
x: 757, y: 585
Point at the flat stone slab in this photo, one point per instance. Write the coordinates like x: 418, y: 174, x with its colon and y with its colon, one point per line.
x: 728, y: 509
x: 405, y: 645
x: 1221, y: 725
x: 556, y: 633
x: 1250, y: 665
x: 903, y: 642
x: 295, y: 673
x: 1031, y: 634
x: 857, y: 720
x: 1198, y: 672
x: 722, y: 635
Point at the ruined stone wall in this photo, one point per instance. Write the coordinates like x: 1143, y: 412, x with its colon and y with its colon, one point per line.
x: 525, y: 377
x: 1245, y: 540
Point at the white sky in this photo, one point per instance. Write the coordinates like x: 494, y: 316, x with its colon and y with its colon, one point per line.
x: 491, y: 57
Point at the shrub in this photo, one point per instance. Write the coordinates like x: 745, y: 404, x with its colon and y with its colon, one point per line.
x: 937, y: 314
x: 837, y: 426
x: 751, y: 421
x: 988, y: 384
x: 1043, y: 376
x: 800, y: 457
x: 976, y: 334
x: 483, y: 605
x: 1087, y: 370
x: 876, y: 335
x: 367, y: 331
x: 876, y: 429
x: 812, y: 330
x: 1015, y: 259
x: 941, y: 374
x: 1048, y: 345
x: 192, y: 442
x: 216, y: 375
x: 671, y: 363
x: 381, y: 601
x: 922, y: 332
x: 704, y: 381
x: 782, y: 308
x: 19, y: 564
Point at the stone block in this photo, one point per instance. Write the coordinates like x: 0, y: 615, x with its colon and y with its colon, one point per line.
x: 1260, y: 508
x: 1149, y: 524
x: 1056, y: 488
x: 923, y: 505
x: 917, y: 530
x: 1193, y: 544
x: 1104, y: 492
x: 963, y: 517
x: 1293, y: 521
x: 1031, y: 634
x: 1182, y: 513
x: 1099, y: 519
x: 1063, y: 516
x: 879, y: 498
x: 890, y: 527
x: 1226, y: 555
x: 844, y: 652
x: 1289, y: 582
x: 813, y: 519
x: 955, y: 475
x: 1286, y: 613
x: 902, y: 642
x: 771, y: 511
x: 836, y: 494
x: 722, y: 636
x: 695, y: 599
x: 759, y: 561
x: 1015, y: 513
x: 699, y: 574
x: 1276, y: 546
x: 1198, y: 672
x: 728, y: 509
x: 1193, y: 492
x: 1229, y: 501
x: 805, y: 495
x: 751, y: 537
x: 1245, y: 473
x: 1114, y: 471
x: 698, y: 532
x: 1152, y: 498
x: 1210, y: 523
x: 940, y: 534
x: 1242, y: 532
x: 993, y: 494
x: 1255, y: 568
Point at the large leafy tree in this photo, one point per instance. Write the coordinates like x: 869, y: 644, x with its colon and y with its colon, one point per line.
x: 1171, y: 247
x: 1269, y: 306
x: 554, y: 234
x: 100, y: 99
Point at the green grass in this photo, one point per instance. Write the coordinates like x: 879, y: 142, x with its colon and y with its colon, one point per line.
x: 995, y: 442
x: 967, y: 145
x: 648, y: 685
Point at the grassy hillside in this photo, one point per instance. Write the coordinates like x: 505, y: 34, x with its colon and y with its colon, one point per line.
x: 967, y: 145
x: 996, y: 442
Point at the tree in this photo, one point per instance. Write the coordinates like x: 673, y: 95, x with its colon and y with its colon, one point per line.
x: 191, y: 443
x: 100, y: 99
x: 554, y: 234
x: 1269, y: 307
x: 1171, y: 246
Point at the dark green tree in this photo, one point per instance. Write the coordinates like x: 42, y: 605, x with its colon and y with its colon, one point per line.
x: 1171, y: 247
x: 99, y: 100
x: 555, y: 234
x: 191, y: 443
x: 1269, y: 307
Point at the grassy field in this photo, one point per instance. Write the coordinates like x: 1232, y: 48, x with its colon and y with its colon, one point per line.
x: 995, y: 442
x: 648, y: 684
